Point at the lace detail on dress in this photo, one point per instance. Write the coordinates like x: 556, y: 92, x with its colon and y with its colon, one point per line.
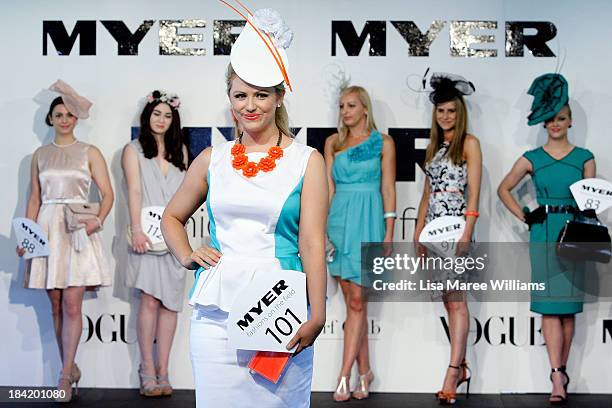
x: 367, y: 150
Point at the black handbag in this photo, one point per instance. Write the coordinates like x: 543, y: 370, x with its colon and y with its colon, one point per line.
x: 585, y: 239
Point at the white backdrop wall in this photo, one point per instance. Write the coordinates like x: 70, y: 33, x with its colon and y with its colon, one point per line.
x: 408, y: 343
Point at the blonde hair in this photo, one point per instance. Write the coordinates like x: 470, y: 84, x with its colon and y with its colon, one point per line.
x: 436, y: 134
x: 281, y: 117
x: 365, y: 100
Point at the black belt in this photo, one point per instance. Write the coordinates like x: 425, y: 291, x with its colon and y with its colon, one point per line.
x: 538, y: 216
x: 557, y: 209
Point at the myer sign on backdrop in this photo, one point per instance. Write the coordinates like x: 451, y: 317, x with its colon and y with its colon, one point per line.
x: 116, y: 52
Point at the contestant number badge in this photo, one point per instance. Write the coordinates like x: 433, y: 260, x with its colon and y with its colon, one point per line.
x: 150, y: 217
x: 31, y: 237
x: 441, y: 235
x: 592, y: 194
x: 268, y: 312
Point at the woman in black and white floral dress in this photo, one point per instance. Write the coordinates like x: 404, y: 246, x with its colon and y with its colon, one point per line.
x: 447, y: 185
x: 453, y: 165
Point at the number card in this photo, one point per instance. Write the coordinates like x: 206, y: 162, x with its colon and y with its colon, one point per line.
x: 268, y: 312
x: 151, y: 219
x: 31, y: 237
x: 592, y: 194
x: 441, y: 235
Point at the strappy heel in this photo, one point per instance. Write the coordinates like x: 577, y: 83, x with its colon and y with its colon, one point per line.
x: 363, y: 388
x: 559, y: 399
x: 75, y: 373
x: 450, y: 398
x: 146, y: 388
x: 164, y: 385
x: 64, y: 388
x: 342, y: 393
x: 447, y: 398
x: 564, y: 371
x: 466, y: 377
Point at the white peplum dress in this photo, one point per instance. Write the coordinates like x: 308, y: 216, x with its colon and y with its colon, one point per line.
x: 254, y: 224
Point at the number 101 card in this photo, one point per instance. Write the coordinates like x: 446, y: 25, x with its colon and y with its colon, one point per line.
x: 269, y: 311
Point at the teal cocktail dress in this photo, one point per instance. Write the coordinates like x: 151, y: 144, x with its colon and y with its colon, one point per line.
x: 563, y: 279
x: 356, y: 213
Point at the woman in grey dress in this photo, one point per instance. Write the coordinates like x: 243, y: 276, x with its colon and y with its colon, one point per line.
x: 154, y: 166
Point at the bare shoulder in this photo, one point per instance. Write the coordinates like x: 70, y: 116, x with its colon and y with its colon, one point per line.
x: 315, y: 158
x: 471, y: 144
x: 93, y: 152
x: 38, y: 151
x: 388, y: 140
x: 471, y: 140
x: 129, y: 148
x: 331, y: 139
x: 202, y: 160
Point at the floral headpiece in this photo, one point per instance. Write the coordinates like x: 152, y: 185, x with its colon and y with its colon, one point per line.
x: 258, y: 55
x: 171, y: 99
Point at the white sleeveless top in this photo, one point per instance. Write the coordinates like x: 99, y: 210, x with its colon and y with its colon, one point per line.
x: 253, y: 222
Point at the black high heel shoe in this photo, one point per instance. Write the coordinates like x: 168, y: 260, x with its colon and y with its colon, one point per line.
x: 559, y: 399
x: 563, y: 370
x: 465, y: 378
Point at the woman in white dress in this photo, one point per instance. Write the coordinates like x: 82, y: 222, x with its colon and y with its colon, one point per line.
x: 266, y: 196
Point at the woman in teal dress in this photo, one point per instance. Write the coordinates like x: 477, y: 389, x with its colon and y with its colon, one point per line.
x: 553, y: 167
x: 360, y: 165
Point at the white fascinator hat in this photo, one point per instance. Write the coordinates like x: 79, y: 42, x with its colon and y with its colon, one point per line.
x: 259, y: 55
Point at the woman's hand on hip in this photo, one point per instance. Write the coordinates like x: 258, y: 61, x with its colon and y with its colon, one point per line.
x: 205, y: 257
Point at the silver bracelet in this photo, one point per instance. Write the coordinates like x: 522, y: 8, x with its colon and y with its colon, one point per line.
x: 390, y: 214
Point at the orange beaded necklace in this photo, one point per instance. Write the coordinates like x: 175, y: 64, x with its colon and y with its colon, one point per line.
x: 240, y: 161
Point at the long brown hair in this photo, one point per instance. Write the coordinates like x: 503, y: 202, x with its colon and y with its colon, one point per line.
x: 365, y: 100
x: 281, y: 117
x: 436, y: 134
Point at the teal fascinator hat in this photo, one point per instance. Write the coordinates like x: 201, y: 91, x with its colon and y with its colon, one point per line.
x: 550, y: 94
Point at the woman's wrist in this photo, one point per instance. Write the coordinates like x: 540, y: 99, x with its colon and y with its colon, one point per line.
x: 390, y: 214
x: 318, y: 318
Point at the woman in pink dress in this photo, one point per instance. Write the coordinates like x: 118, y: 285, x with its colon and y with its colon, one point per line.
x: 61, y: 175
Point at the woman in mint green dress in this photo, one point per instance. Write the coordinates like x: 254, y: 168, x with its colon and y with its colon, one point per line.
x: 360, y: 165
x: 553, y: 167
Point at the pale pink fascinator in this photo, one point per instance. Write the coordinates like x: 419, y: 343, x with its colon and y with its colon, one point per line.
x: 76, y: 104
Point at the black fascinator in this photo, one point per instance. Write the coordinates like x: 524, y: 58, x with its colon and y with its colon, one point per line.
x: 447, y: 87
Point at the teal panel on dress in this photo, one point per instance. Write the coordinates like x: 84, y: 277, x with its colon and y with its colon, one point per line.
x: 286, y: 233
